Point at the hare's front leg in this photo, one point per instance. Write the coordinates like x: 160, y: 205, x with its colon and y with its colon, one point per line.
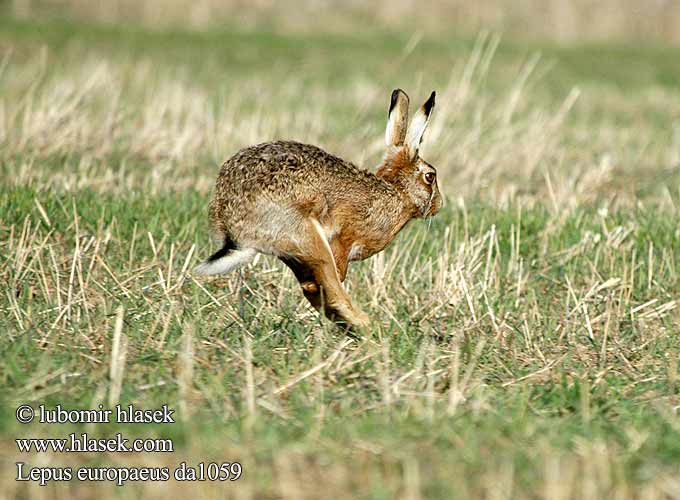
x: 325, y: 293
x: 318, y: 276
x: 323, y: 265
x: 341, y: 255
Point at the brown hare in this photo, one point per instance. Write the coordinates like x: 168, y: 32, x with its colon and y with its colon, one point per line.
x: 317, y: 212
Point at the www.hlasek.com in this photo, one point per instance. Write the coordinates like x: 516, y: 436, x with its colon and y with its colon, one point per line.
x: 84, y: 443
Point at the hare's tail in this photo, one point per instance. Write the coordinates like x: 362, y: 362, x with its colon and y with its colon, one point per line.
x: 226, y: 259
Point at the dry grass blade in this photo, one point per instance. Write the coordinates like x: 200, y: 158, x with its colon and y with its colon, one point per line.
x: 308, y: 373
x: 118, y: 355
x: 185, y: 377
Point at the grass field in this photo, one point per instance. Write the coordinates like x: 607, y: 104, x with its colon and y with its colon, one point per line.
x: 525, y: 340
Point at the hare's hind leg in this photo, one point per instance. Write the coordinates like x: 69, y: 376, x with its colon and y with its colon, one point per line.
x: 303, y: 273
x: 226, y: 259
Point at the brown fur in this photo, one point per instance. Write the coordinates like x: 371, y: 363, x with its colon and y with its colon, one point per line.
x: 317, y: 212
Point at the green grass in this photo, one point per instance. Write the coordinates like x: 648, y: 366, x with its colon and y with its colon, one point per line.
x: 515, y: 350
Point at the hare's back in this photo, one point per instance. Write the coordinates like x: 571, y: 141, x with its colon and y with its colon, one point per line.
x: 264, y: 184
x: 282, y: 164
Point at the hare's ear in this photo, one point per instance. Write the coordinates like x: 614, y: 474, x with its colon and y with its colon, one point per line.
x: 418, y: 126
x: 397, y: 119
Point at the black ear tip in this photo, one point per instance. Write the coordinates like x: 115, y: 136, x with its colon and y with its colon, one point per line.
x: 393, y: 100
x: 429, y: 104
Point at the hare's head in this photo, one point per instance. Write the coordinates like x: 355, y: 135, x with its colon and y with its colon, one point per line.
x: 402, y: 165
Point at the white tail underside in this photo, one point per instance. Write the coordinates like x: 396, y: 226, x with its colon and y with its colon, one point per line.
x: 234, y: 259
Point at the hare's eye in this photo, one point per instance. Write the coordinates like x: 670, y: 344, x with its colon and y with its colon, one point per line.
x: 429, y: 177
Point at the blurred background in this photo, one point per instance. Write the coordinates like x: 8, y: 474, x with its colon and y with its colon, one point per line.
x: 559, y: 20
x: 580, y: 90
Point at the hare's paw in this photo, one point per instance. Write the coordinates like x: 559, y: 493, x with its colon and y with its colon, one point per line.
x: 348, y: 315
x: 360, y: 319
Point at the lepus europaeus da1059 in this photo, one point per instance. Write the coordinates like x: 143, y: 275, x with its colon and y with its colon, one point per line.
x: 317, y: 212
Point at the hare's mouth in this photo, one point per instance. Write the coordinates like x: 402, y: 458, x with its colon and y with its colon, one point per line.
x: 430, y: 213
x: 430, y: 210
